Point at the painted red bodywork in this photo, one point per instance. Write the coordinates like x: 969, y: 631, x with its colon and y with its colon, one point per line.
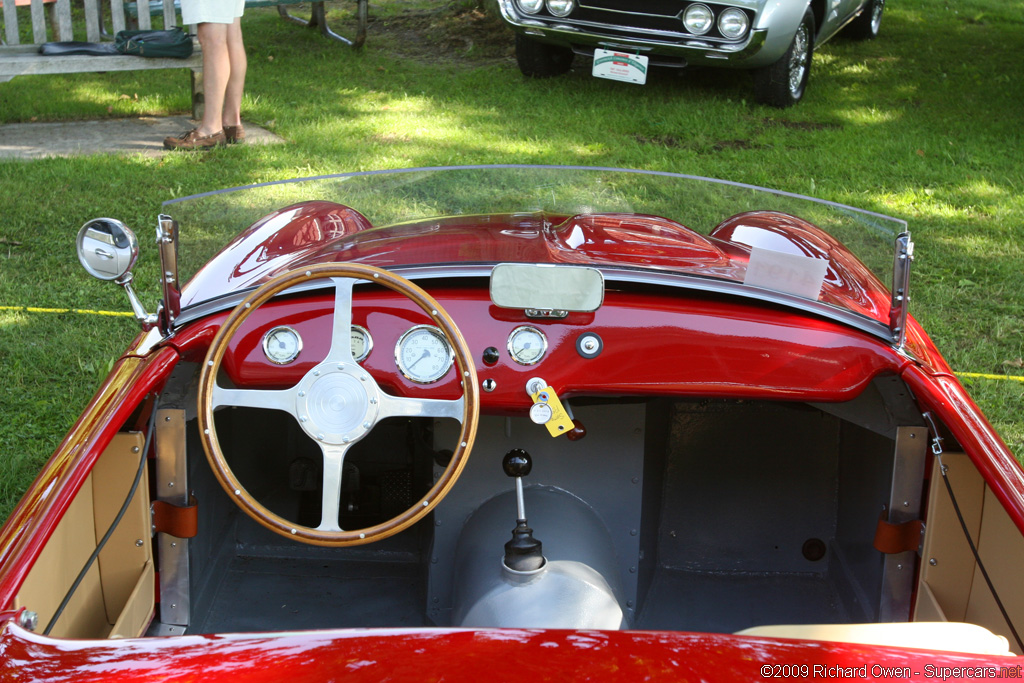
x: 482, y: 655
x: 676, y: 343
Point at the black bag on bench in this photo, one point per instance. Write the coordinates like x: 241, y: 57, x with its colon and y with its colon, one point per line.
x: 171, y: 42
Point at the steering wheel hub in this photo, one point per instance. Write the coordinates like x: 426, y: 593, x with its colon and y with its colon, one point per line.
x: 337, y: 404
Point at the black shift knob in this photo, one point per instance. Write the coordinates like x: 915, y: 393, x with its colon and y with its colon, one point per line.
x: 517, y: 463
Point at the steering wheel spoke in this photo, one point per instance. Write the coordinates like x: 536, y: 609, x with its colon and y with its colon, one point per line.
x: 281, y: 399
x: 341, y: 328
x: 394, y: 406
x: 334, y: 465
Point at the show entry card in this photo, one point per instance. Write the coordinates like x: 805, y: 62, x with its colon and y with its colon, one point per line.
x: 789, y: 273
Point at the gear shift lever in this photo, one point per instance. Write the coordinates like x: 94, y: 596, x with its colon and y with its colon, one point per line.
x: 523, y: 553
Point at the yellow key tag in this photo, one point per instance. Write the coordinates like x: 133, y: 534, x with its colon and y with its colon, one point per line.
x: 558, y: 422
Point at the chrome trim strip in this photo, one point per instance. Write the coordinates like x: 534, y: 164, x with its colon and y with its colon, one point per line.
x: 905, y: 499
x: 898, y: 308
x: 172, y: 487
x: 167, y: 245
x: 147, y: 342
x: 595, y: 8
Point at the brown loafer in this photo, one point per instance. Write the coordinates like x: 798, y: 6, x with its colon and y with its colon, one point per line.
x: 234, y: 134
x: 193, y: 140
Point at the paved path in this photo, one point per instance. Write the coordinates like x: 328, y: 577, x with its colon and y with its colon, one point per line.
x: 144, y: 135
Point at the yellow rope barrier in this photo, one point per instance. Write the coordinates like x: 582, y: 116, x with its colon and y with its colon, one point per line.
x: 984, y: 375
x: 81, y: 311
x: 85, y: 311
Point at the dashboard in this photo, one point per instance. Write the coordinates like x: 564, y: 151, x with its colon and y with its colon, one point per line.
x: 637, y: 343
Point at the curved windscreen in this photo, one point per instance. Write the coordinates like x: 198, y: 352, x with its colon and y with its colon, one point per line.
x: 762, y: 239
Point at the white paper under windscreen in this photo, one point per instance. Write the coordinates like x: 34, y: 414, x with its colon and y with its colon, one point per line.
x: 789, y: 273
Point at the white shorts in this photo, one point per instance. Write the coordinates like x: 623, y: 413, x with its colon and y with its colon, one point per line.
x: 211, y: 11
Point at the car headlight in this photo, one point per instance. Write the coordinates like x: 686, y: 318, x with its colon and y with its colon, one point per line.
x: 561, y: 8
x: 530, y: 6
x: 733, y: 23
x: 698, y: 19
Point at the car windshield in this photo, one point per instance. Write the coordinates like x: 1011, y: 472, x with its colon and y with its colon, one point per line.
x: 560, y: 200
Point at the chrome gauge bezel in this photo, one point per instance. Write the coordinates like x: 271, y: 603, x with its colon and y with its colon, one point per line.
x: 404, y: 340
x: 516, y: 354
x: 359, y: 329
x: 283, y: 360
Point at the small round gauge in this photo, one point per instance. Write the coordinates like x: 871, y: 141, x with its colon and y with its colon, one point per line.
x: 423, y: 354
x: 527, y: 345
x: 282, y: 345
x: 362, y: 343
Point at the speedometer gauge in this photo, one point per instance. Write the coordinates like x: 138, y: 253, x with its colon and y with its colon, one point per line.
x: 527, y: 345
x: 362, y: 343
x: 423, y: 354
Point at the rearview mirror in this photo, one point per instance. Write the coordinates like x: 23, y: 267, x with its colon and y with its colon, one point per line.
x: 547, y: 290
x: 107, y: 249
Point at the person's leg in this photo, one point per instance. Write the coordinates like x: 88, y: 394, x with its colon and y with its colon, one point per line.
x: 231, y: 114
x: 213, y: 38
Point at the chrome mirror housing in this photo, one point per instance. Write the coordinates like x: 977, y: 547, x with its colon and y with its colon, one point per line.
x: 107, y: 249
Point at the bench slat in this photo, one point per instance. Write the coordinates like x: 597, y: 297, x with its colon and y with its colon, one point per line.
x: 92, y: 21
x: 144, y: 19
x: 18, y: 63
x: 64, y: 29
x: 169, y: 14
x: 11, y: 23
x: 117, y: 15
x: 38, y: 22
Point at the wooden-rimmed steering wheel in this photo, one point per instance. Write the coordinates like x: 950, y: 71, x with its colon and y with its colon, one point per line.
x: 337, y: 403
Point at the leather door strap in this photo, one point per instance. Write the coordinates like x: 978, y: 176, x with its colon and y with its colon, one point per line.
x: 181, y: 521
x: 897, y: 538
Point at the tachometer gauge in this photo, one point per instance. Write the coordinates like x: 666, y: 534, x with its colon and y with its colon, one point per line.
x: 282, y: 345
x: 423, y: 354
x: 362, y: 343
x: 527, y: 345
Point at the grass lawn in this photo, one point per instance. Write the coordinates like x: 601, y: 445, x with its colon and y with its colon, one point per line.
x: 924, y: 123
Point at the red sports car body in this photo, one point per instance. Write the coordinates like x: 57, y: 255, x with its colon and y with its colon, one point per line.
x: 519, y: 423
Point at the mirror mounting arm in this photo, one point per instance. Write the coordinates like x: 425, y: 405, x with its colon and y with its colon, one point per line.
x: 167, y: 243
x: 147, y: 320
x: 898, y: 309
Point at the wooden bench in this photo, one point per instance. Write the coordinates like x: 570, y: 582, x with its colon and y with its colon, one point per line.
x: 318, y: 16
x: 20, y: 58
